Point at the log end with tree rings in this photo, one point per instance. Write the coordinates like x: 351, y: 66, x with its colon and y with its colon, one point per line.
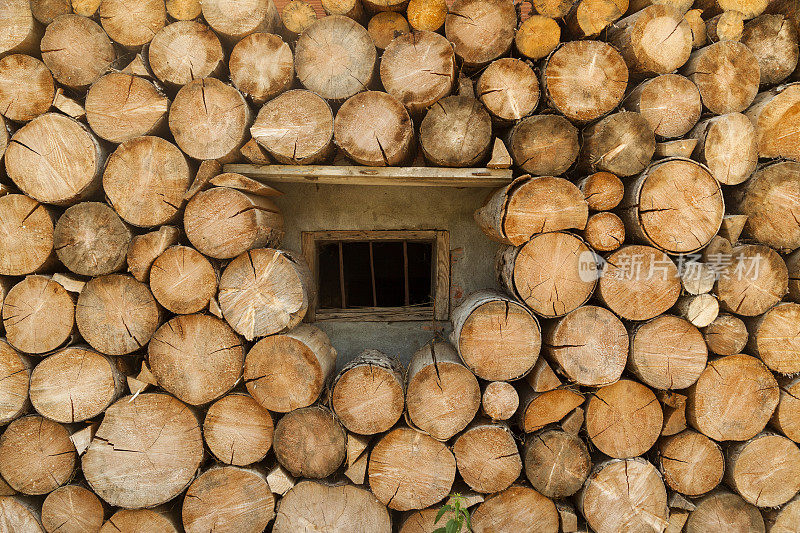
x: 261, y: 66
x: 26, y: 88
x: 76, y: 50
x: 774, y: 43
x: 485, y: 324
x: 764, y: 470
x: 537, y: 410
x: 91, y: 240
x: 776, y: 119
x: 726, y: 335
x: 426, y: 15
x: 537, y: 36
x: 500, y: 400
x: 605, y: 232
x: 544, y: 145
x: 296, y: 128
x: 547, y: 273
x: 518, y: 508
x: 38, y: 315
x: 589, y: 346
x: 721, y: 511
x: 588, y: 18
x: 786, y: 417
x: 27, y: 229
x: 116, y: 314
x: 184, y: 51
x: 144, y: 249
x: 182, y: 280
x: 727, y: 75
x: 456, y: 132
x: 184, y: 9
x: 385, y: 26
x: 733, y: 399
x: 288, y: 371
x: 418, y: 69
x: 622, y: 143
x: 410, y: 470
x: 132, y: 28
x: 727, y: 145
x: 602, y: 191
x: 20, y: 32
x: 751, y: 280
x: 487, y: 456
x: 624, y: 419
x: 481, y: 30
x: 509, y: 89
x: 335, y: 57
x: 145, y: 180
x: 310, y: 442
x: 139, y: 520
x: 692, y: 463
x: 670, y: 103
x: 556, y: 463
x: 373, y: 128
x: 55, y: 159
x: 238, y: 430
x: 570, y: 79
x: 15, y: 371
x: 773, y: 338
x: 71, y: 509
x: 772, y: 205
x: 265, y: 291
x: 234, y: 21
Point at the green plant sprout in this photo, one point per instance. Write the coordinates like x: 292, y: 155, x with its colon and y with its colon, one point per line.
x: 456, y: 504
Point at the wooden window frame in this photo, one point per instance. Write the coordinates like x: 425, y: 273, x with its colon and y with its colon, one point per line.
x: 440, y: 262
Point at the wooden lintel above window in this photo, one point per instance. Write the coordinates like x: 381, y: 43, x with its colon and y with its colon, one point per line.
x: 358, y: 175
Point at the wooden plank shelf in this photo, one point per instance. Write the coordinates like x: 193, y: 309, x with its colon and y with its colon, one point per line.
x: 358, y: 175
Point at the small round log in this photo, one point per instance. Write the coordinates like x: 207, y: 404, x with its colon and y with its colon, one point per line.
x: 602, y: 191
x: 456, y: 132
x: 518, y: 508
x: 775, y: 117
x: 764, y: 470
x: 385, y: 26
x: 480, y: 30
x: 544, y: 145
x: 76, y: 50
x: 749, y: 290
x: 19, y: 31
x: 726, y: 335
x: 724, y: 512
x: 233, y: 21
x: 418, y: 69
x: 667, y: 352
x: 75, y: 384
x: 264, y: 291
x: 624, y: 419
x: 72, y: 509
x: 537, y: 36
x: 727, y: 26
x: 27, y: 229
x: 692, y: 463
x: 773, y: 40
x: 499, y: 400
x: 410, y: 470
x: 55, y: 159
x: 46, y: 10
x: 261, y: 67
x: 91, y: 240
x: 183, y: 280
x: 727, y: 146
x: 146, y: 451
x: 487, y: 456
x: 238, y: 430
x: 138, y: 521
x: 296, y: 128
x: 426, y: 15
x: 669, y: 103
x: 132, y: 28
x: 296, y: 16
x: 38, y: 315
x: 773, y: 339
x: 700, y: 310
x: 184, y: 51
x: 698, y: 26
x: 589, y: 346
x: 335, y: 57
x: 733, y: 399
x: 144, y: 249
x: 570, y: 79
x: 508, y: 89
x: 36, y: 455
x: 310, y: 442
x: 15, y: 371
x: 605, y: 232
x: 786, y: 417
x: 368, y: 394
x: 26, y: 87
x: 228, y: 499
x: 556, y: 463
x: 116, y: 314
x: 727, y: 75
x: 622, y: 143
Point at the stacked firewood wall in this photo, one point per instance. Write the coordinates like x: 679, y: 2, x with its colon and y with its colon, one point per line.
x: 634, y: 369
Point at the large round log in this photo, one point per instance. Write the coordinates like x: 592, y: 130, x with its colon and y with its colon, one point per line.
x: 19, y: 31
x: 76, y: 50
x: 752, y: 280
x: 727, y: 145
x: 91, y: 240
x: 509, y: 90
x: 310, y: 442
x: 773, y: 40
x: 480, y: 30
x: 764, y: 470
x: 727, y: 75
x: 726, y: 335
x: 724, y: 512
x: 487, y: 456
x: 38, y: 315
x: 670, y: 103
x: 544, y: 145
x: 556, y: 463
x: 183, y: 280
x: 238, y: 430
x: 15, y: 371
x: 261, y: 66
x: 776, y: 119
x: 139, y: 521
x: 264, y: 291
x: 146, y: 451
x: 234, y: 20
x: 692, y: 463
x: 72, y: 509
x: 184, y: 51
x: 622, y: 143
x: 335, y: 57
x: 773, y: 339
x: 518, y: 508
x: 733, y: 399
x: 456, y: 132
x: 410, y: 470
x: 26, y: 88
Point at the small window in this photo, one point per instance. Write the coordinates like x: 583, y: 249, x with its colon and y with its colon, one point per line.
x: 379, y: 275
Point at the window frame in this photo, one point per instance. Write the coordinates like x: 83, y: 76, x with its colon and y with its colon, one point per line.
x: 440, y: 276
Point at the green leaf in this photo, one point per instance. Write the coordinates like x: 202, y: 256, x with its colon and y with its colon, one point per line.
x: 467, y: 520
x: 453, y: 527
x: 440, y: 514
x: 440, y: 530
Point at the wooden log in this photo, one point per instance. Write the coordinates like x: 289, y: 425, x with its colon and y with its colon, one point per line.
x: 602, y: 191
x: 748, y: 8
x: 545, y: 273
x: 72, y: 509
x: 296, y: 128
x: 349, y: 8
x: 747, y: 290
x: 424, y: 520
x: 655, y: 215
x: 733, y: 399
x: 770, y: 210
x: 183, y: 280
x: 624, y: 419
x: 499, y: 400
x: 346, y: 508
x: 726, y: 335
x: 132, y: 28
x: 55, y: 159
x: 692, y: 463
x: 774, y: 117
x: 541, y: 378
x: 727, y: 146
x: 772, y: 338
x: 786, y: 417
x: 385, y: 26
x: 700, y: 310
x: 517, y: 508
x: 220, y: 129
x: 607, y: 500
x: 116, y: 314
x: 727, y: 26
x: 26, y: 87
x: 144, y: 249
x: 19, y: 515
x: 418, y: 69
x: 556, y: 462
x: 368, y: 394
x: 146, y: 451
x: 233, y: 21
x: 670, y: 104
x: 588, y: 18
x: 261, y: 67
x: 310, y: 442
x: 786, y: 519
x: 589, y: 346
x: 36, y: 455
x: 254, y: 153
x: 410, y: 470
x: 530, y: 206
x: 139, y: 521
x: 732, y: 226
x: 681, y: 5
x: 724, y: 512
x: 76, y: 50
x: 605, y: 232
x: 91, y: 240
x: 15, y: 371
x: 145, y: 180
x: 184, y: 51
x: 27, y: 229
x: 480, y: 30
x: 509, y: 90
x: 674, y: 407
x: 426, y: 15
x: 676, y: 148
x: 764, y: 470
x: 713, y: 67
x: 622, y: 144
x: 544, y: 145
x: 280, y: 480
x: 385, y: 5
x: 698, y: 27
x: 569, y: 79
x: 537, y: 410
x: 537, y: 37
x: 238, y: 430
x: 442, y: 394
x: 120, y: 107
x: 296, y: 16
x: 487, y: 456
x: 184, y: 9
x: 335, y: 57
x: 555, y: 9
x: 374, y: 129
x: 787, y: 8
x: 456, y: 132
x: 38, y: 315
x: 264, y: 291
x: 19, y: 29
